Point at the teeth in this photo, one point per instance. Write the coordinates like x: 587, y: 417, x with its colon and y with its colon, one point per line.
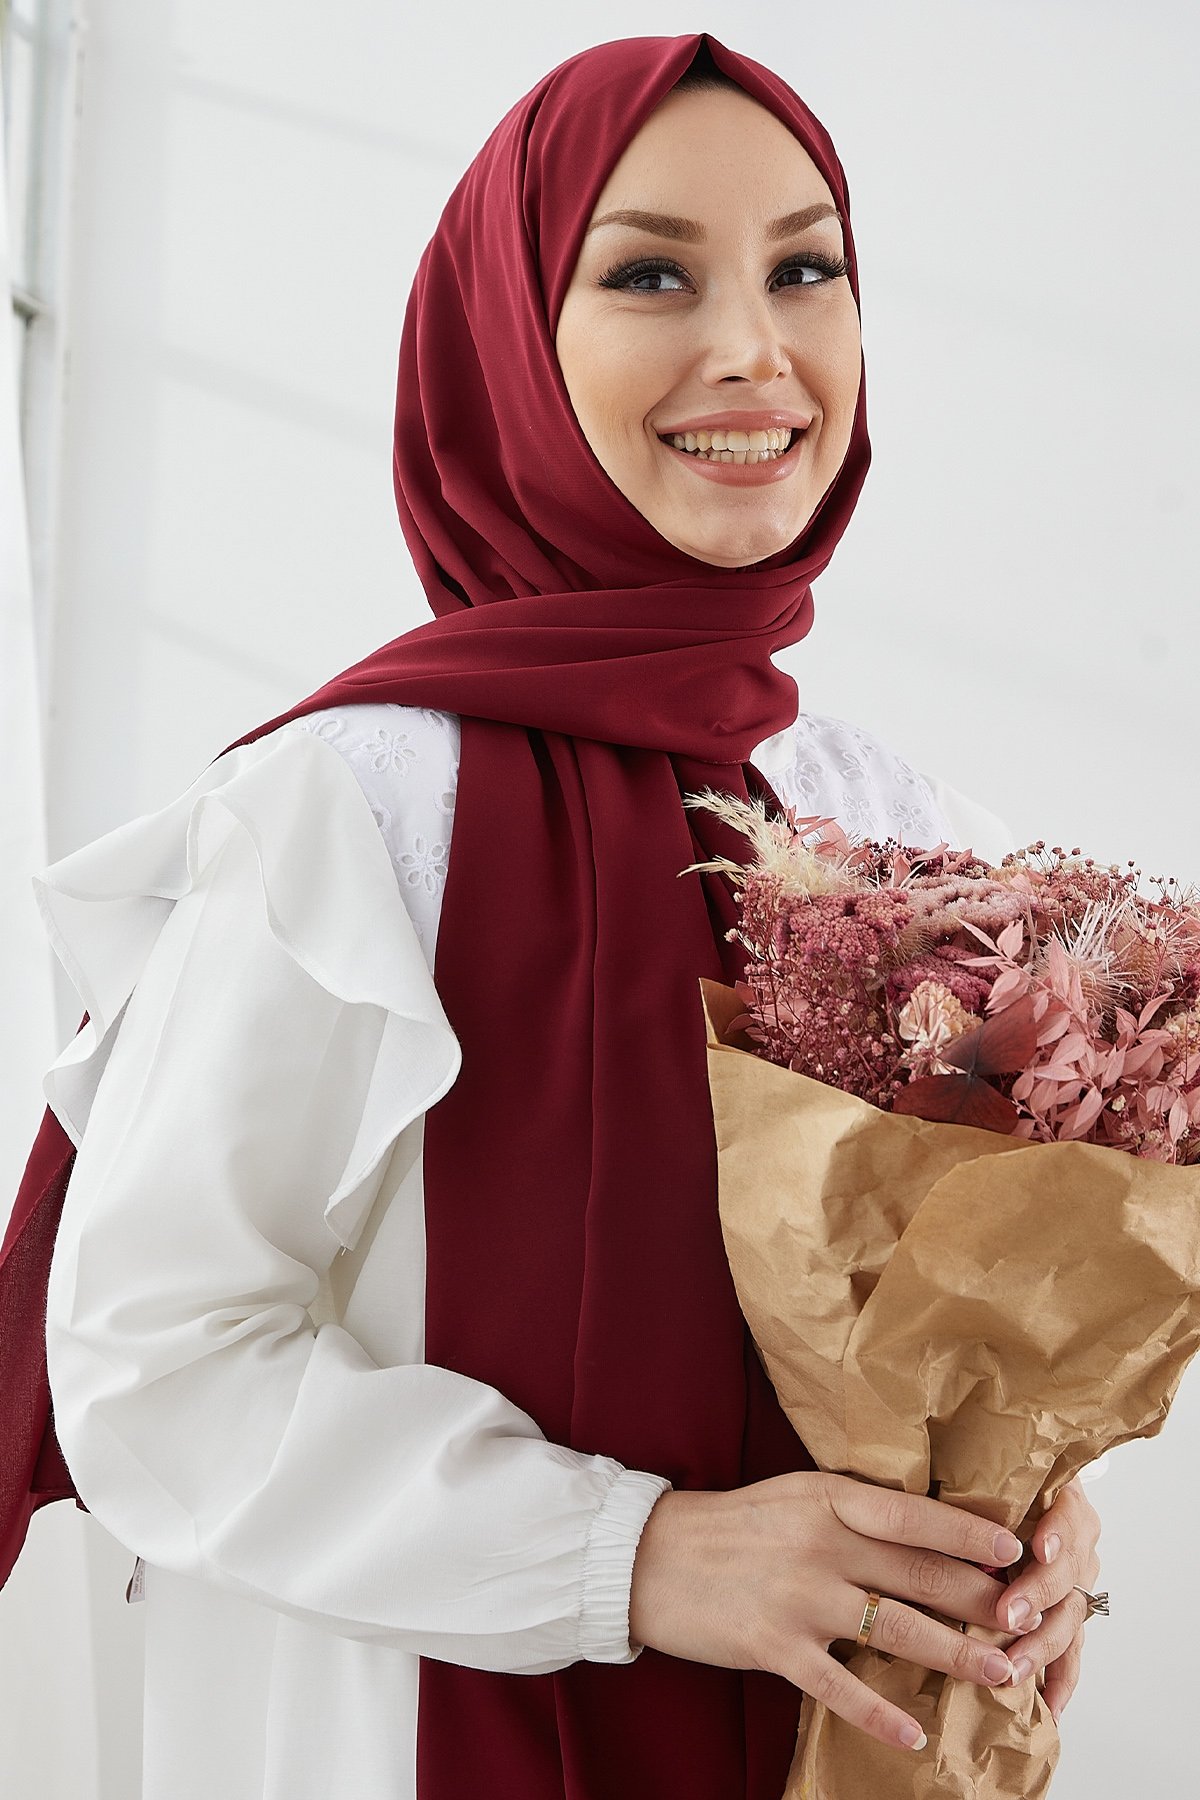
x: 734, y: 446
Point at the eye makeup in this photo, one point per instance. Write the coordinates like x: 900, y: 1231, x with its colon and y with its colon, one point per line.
x: 621, y: 274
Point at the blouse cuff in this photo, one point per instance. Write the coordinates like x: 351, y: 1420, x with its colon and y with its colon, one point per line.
x: 612, y: 1543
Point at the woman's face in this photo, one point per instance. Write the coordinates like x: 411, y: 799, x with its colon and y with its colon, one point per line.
x: 724, y: 312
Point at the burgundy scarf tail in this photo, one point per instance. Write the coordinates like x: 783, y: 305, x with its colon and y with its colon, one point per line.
x: 33, y: 1471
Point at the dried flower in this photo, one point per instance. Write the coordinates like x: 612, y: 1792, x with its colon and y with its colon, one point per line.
x: 944, y: 963
x: 931, y: 1018
x: 1073, y: 997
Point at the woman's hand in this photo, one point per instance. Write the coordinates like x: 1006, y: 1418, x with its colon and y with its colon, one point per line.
x: 1048, y: 1586
x: 768, y: 1576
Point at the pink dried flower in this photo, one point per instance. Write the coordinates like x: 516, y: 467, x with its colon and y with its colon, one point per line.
x: 943, y: 964
x: 1048, y: 996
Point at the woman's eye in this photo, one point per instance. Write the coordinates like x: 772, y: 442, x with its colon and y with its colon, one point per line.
x: 628, y: 275
x: 658, y: 277
x: 827, y: 269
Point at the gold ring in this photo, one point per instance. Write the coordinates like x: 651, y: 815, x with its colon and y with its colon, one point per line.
x: 868, y: 1619
x: 1096, y: 1603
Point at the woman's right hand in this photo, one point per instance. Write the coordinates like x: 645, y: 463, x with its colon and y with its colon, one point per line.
x: 768, y: 1576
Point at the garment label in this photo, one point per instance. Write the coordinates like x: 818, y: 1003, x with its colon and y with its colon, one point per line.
x: 136, y: 1589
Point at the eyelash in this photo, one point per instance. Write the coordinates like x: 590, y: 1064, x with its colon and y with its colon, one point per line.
x: 622, y: 273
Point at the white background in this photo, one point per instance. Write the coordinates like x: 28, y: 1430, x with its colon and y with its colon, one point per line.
x: 1013, y: 606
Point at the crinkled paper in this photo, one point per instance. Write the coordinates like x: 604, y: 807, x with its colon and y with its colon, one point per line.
x: 953, y: 1312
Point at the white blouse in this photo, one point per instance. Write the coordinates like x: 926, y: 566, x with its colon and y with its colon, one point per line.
x: 235, y: 1327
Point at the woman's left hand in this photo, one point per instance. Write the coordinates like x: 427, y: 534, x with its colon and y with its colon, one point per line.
x: 1050, y: 1585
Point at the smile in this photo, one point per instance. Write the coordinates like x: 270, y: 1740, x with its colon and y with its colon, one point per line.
x: 738, y: 456
x: 732, y: 446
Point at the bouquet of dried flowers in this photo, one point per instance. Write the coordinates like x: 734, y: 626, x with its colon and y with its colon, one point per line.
x: 1048, y: 997
x: 955, y: 1283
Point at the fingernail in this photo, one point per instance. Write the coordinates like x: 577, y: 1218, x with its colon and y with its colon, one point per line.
x: 913, y: 1736
x: 1021, y: 1669
x: 1031, y: 1624
x: 1005, y: 1547
x: 997, y: 1667
x: 1020, y: 1609
x: 1053, y: 1546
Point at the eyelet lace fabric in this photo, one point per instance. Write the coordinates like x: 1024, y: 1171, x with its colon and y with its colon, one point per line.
x: 843, y: 772
x: 405, y: 759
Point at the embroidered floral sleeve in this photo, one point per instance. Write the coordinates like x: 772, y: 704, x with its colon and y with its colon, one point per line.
x: 405, y: 759
x: 844, y: 771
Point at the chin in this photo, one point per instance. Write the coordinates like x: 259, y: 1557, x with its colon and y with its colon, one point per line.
x: 729, y: 553
x: 733, y: 543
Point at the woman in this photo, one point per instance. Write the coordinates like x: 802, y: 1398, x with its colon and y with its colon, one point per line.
x: 389, y: 1321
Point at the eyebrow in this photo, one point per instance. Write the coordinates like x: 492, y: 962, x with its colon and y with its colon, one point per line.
x: 688, y: 231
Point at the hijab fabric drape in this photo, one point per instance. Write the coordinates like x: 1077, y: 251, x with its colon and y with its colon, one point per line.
x: 574, y: 1251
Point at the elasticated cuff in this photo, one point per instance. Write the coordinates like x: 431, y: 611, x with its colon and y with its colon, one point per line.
x: 608, y: 1566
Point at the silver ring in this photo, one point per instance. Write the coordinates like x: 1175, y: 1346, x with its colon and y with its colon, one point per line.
x: 1096, y: 1603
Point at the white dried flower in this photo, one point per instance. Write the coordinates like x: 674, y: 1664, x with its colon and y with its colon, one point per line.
x: 931, y: 1018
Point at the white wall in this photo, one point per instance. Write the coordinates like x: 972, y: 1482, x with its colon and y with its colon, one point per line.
x: 1013, y: 606
x: 46, y: 1682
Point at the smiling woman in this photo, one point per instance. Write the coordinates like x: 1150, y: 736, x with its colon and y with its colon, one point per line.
x: 389, y: 1322
x: 716, y: 382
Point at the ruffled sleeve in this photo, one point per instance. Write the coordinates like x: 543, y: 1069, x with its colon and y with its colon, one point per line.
x: 972, y: 826
x: 263, y: 1028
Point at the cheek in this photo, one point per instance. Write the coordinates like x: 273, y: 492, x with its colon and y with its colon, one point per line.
x: 833, y: 367
x: 827, y: 351
x: 844, y: 355
x: 620, y: 403
x: 626, y: 380
x: 618, y: 367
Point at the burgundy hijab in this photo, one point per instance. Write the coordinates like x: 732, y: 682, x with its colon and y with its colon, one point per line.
x: 574, y: 1251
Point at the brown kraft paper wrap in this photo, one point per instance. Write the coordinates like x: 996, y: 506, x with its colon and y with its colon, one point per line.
x: 952, y: 1312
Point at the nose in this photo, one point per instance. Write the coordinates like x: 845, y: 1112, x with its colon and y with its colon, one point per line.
x: 744, y: 342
